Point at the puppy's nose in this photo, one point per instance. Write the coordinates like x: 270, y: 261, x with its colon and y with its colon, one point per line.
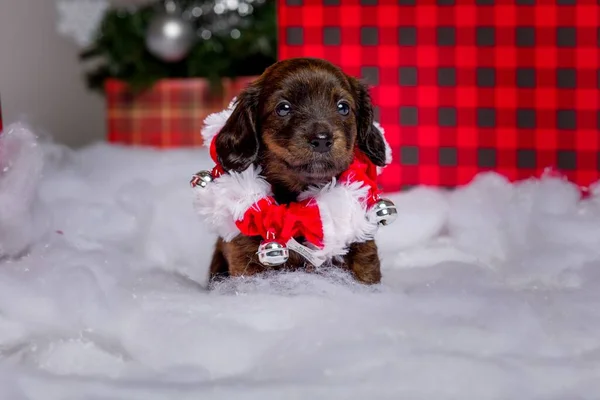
x: 321, y: 142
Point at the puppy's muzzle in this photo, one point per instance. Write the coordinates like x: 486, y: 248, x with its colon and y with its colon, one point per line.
x: 321, y: 142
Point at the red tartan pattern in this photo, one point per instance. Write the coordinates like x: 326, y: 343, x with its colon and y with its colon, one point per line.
x: 168, y: 115
x: 462, y: 86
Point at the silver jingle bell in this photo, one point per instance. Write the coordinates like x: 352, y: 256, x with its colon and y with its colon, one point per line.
x: 202, y: 179
x: 385, y: 212
x: 272, y: 253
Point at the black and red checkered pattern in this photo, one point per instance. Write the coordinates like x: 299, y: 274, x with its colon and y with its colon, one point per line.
x: 466, y: 86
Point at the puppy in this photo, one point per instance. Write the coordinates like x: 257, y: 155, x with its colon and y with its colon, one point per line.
x: 300, y: 121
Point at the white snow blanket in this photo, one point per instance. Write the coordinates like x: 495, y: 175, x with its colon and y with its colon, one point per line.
x: 489, y: 292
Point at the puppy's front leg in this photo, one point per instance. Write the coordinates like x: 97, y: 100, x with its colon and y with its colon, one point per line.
x: 218, y: 266
x: 241, y: 256
x: 363, y: 261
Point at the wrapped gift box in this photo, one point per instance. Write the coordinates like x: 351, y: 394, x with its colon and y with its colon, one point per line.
x: 170, y: 114
x: 463, y: 87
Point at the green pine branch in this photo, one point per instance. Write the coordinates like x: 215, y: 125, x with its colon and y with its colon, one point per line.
x: 119, y: 50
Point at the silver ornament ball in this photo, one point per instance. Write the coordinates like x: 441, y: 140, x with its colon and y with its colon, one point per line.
x: 201, y: 179
x: 385, y: 212
x: 272, y: 254
x: 169, y: 37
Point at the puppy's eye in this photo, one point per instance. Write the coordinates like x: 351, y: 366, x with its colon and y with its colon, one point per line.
x: 283, y: 108
x: 343, y: 108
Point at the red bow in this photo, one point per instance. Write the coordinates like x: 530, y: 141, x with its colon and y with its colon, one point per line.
x: 273, y: 221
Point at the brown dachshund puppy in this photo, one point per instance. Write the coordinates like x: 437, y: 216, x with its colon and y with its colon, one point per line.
x: 299, y: 121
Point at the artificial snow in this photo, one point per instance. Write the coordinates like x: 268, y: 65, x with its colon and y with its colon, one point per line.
x: 488, y: 292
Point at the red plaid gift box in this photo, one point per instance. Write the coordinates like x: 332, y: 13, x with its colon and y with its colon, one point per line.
x: 466, y: 86
x: 170, y: 114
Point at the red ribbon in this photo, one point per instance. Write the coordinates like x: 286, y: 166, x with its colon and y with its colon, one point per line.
x: 363, y: 170
x: 281, y: 222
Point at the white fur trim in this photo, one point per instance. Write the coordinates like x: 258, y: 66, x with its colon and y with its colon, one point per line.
x: 215, y: 122
x: 388, y: 149
x: 342, y: 207
x: 343, y: 211
x: 226, y: 199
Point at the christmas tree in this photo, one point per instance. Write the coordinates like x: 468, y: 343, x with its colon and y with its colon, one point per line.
x: 177, y: 39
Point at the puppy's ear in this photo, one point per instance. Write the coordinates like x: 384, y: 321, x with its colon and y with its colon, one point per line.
x: 369, y: 139
x: 237, y: 143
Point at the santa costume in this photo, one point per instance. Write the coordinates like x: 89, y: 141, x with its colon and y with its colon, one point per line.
x: 329, y: 217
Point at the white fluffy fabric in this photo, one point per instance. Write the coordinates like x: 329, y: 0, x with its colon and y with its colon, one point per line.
x: 342, y: 211
x: 20, y: 173
x: 342, y: 208
x: 343, y: 215
x: 388, y: 149
x: 489, y: 292
x: 226, y: 199
x: 214, y: 122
